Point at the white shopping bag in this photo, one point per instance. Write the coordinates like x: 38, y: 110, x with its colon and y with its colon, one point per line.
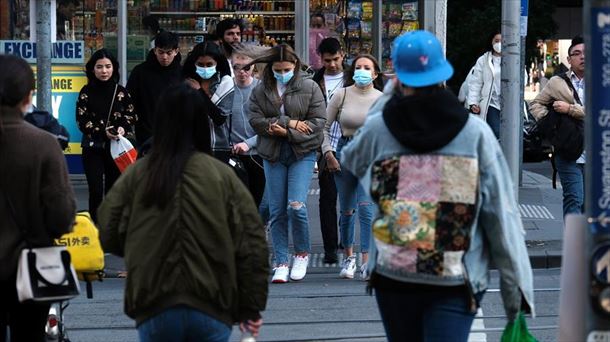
x: 123, y: 153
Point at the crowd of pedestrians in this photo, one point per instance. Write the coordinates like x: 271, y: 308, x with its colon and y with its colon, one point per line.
x: 227, y: 152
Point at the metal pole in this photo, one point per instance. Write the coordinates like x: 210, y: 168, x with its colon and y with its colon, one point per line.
x: 523, y: 34
x: 43, y: 53
x: 596, y: 28
x: 122, y: 37
x: 510, y: 92
x: 301, y: 36
x: 377, y: 25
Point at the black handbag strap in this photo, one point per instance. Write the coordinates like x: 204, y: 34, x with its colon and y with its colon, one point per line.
x: 571, y: 86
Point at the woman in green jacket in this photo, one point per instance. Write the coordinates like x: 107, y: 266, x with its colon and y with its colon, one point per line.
x: 190, y: 233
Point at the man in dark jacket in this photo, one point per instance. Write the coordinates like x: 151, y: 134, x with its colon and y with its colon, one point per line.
x: 148, y: 80
x: 329, y: 78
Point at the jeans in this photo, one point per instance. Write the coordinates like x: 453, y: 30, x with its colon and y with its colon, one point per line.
x: 328, y: 210
x: 287, y: 184
x: 493, y: 120
x: 572, y: 178
x: 101, y: 173
x: 181, y: 323
x: 353, y: 199
x: 425, y: 316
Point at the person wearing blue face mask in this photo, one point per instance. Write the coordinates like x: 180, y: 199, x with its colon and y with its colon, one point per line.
x: 207, y: 70
x: 287, y: 113
x: 349, y: 107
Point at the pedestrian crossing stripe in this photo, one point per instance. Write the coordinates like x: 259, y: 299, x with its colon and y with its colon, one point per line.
x: 535, y: 211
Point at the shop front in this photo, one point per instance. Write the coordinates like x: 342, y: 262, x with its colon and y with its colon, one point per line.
x: 81, y: 27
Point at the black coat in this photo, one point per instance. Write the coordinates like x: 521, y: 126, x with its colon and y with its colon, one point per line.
x: 145, y: 84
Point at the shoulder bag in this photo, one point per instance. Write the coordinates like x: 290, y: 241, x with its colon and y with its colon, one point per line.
x: 44, y: 274
x: 565, y: 133
x: 89, y: 141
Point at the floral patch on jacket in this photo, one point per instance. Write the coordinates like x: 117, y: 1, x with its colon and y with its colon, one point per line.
x: 427, y: 208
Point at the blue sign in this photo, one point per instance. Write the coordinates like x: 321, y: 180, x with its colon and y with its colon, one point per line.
x: 63, y: 52
x: 523, y: 19
x: 599, y: 112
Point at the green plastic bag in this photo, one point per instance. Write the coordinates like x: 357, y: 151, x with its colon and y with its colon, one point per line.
x: 516, y: 331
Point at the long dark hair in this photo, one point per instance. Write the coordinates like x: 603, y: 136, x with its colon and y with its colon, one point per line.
x: 16, y: 82
x: 205, y: 49
x: 181, y: 128
x: 97, y: 55
x: 489, y: 45
x: 349, y: 74
x: 279, y: 53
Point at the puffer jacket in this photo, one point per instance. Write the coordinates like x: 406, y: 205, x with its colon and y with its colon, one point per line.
x: 206, y: 249
x: 303, y: 100
x: 480, y: 84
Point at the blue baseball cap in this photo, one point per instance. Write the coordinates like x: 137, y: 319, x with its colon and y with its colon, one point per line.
x: 419, y: 61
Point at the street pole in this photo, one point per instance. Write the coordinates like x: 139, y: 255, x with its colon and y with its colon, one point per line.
x: 301, y: 44
x: 523, y: 34
x: 510, y: 115
x: 43, y: 53
x: 597, y: 168
x: 377, y: 29
x: 122, y: 40
x: 435, y: 20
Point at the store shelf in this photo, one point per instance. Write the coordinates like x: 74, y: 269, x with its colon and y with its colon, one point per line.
x: 279, y: 31
x: 188, y: 32
x: 226, y: 13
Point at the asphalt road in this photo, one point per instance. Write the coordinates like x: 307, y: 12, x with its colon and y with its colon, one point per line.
x: 322, y: 307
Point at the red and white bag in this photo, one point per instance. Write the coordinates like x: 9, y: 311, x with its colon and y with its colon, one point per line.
x: 123, y: 153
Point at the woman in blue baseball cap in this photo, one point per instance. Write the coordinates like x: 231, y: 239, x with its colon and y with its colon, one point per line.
x: 446, y: 207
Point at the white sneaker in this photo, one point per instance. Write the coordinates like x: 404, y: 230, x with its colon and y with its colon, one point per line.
x: 349, y: 268
x: 299, y: 267
x: 280, y: 275
x: 364, y: 272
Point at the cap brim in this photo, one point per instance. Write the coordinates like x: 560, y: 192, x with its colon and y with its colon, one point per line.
x: 440, y: 74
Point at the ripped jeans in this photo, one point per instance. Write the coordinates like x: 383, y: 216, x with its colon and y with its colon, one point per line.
x: 353, y: 200
x: 287, y: 186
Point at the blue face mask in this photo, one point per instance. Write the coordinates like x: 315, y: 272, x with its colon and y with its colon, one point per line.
x: 362, y: 77
x: 205, y: 73
x: 283, y: 78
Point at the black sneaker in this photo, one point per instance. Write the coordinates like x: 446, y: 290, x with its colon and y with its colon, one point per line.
x: 330, y: 258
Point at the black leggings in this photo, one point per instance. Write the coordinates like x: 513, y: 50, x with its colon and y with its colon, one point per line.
x: 26, y: 321
x: 101, y: 172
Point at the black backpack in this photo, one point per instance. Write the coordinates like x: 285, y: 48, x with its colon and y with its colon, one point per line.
x: 565, y: 133
x: 45, y: 121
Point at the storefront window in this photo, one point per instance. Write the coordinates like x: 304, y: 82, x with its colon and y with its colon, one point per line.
x: 15, y: 19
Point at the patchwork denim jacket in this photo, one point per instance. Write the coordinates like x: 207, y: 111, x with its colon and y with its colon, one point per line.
x: 443, y: 216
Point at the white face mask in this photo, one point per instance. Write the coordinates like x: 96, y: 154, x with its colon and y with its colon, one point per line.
x: 497, y: 47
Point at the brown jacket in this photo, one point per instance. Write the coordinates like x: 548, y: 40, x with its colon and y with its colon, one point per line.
x: 556, y: 90
x: 34, y: 176
x: 303, y: 100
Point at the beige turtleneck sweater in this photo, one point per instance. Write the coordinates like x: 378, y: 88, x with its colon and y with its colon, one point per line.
x: 355, y: 107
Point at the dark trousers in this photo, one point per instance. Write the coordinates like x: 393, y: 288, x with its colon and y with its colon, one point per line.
x: 26, y: 321
x: 328, y: 210
x: 425, y: 316
x: 254, y: 176
x: 101, y: 173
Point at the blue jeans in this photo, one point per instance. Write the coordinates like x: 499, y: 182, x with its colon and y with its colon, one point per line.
x: 493, y: 120
x: 287, y: 184
x: 425, y: 316
x: 181, y: 323
x: 353, y: 199
x: 572, y: 179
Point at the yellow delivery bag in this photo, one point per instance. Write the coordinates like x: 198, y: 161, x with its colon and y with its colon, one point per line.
x: 84, y: 246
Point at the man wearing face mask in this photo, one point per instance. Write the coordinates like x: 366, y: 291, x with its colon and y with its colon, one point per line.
x: 149, y: 79
x: 484, y: 85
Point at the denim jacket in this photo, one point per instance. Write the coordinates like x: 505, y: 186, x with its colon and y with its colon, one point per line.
x: 491, y: 225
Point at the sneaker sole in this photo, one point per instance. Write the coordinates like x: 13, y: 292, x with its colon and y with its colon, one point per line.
x: 279, y: 281
x: 297, y: 279
x: 346, y: 276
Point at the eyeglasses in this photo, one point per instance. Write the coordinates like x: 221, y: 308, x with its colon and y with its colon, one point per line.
x: 239, y: 67
x: 577, y: 54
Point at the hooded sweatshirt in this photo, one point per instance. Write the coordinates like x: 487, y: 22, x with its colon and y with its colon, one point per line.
x: 410, y: 121
x: 145, y: 85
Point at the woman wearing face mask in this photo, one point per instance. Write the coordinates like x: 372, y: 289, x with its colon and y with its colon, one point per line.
x: 484, y: 86
x: 287, y: 112
x: 207, y: 70
x: 349, y: 107
x: 104, y: 111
